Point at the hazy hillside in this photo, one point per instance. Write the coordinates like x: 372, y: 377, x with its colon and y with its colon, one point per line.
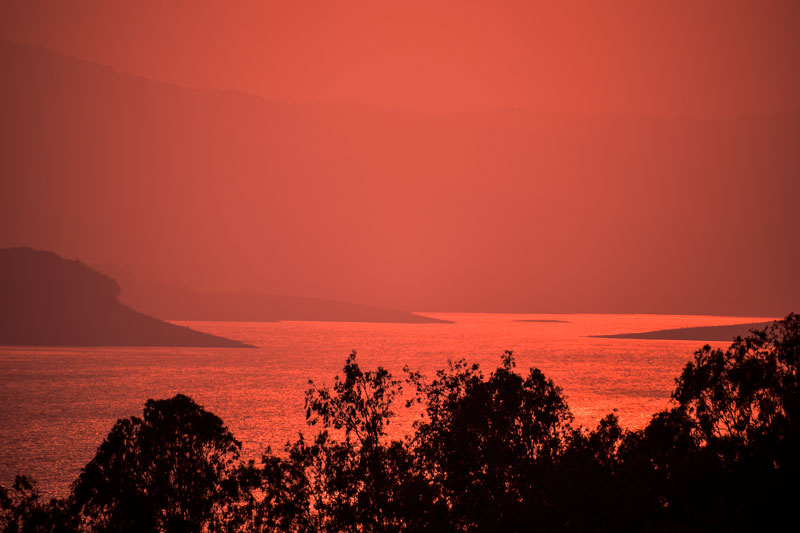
x: 179, y: 303
x: 49, y: 301
x: 501, y: 210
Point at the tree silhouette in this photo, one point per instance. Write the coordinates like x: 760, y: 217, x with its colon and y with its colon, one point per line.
x: 172, y: 470
x: 743, y: 409
x: 491, y: 444
x: 351, y: 476
x: 745, y: 397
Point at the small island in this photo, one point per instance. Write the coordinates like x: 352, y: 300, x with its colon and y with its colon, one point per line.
x: 46, y: 300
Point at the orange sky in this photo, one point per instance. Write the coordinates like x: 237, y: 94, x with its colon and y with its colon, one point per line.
x: 465, y: 156
x: 654, y: 57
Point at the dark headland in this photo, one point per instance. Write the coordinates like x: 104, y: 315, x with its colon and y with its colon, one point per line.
x: 46, y: 300
x: 702, y: 333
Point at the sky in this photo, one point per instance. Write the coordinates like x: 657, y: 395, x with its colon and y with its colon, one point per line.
x: 439, y: 156
x: 703, y: 58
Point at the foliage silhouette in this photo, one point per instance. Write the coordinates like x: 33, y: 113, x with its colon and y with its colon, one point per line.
x: 22, y: 510
x: 351, y: 476
x: 172, y: 470
x: 730, y: 442
x: 490, y: 443
x: 489, y: 453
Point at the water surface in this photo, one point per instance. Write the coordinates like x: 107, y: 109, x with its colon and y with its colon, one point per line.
x: 59, y: 403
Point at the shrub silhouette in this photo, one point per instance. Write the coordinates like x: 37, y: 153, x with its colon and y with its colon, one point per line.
x: 496, y: 452
x: 23, y: 510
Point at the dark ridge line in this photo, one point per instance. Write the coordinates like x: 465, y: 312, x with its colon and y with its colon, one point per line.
x: 698, y: 333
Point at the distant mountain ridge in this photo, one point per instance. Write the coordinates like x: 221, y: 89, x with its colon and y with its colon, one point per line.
x: 49, y: 301
x: 179, y: 303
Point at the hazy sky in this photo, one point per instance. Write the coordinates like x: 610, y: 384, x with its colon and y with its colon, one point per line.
x: 653, y: 57
x: 475, y: 156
